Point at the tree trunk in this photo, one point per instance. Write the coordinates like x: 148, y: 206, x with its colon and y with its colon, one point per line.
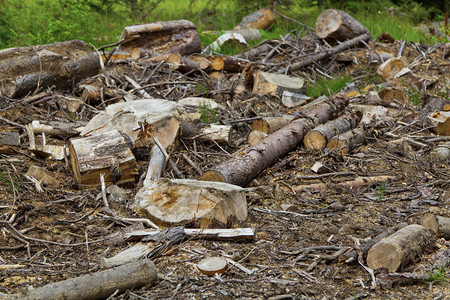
x: 401, y: 248
x: 347, y: 141
x: 162, y: 37
x: 26, y: 69
x: 336, y: 25
x: 318, y: 137
x: 245, y: 166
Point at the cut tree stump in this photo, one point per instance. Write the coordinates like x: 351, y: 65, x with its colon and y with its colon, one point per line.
x: 27, y: 69
x: 178, y: 36
x: 391, y: 67
x: 107, y: 153
x: 99, y: 285
x: 441, y: 121
x: 276, y: 84
x: 337, y: 25
x: 401, y: 248
x: 438, y: 224
x: 201, y: 204
x: 260, y: 19
x: 318, y: 137
x: 245, y: 166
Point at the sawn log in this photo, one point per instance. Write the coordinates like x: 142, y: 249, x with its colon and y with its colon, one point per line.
x: 245, y: 166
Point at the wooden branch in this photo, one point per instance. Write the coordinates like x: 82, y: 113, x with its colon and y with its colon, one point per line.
x: 401, y: 248
x: 97, y: 285
x: 244, y: 167
x: 351, y: 184
x: 327, y: 53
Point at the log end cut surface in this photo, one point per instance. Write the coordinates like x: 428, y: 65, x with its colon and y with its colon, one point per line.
x: 314, y: 140
x: 328, y: 22
x: 213, y: 176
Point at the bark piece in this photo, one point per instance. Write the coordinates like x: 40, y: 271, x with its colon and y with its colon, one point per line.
x: 260, y: 19
x: 220, y: 134
x: 178, y: 36
x: 336, y: 25
x: 244, y: 167
x: 25, y: 69
x: 230, y: 39
x: 45, y: 151
x: 97, y: 285
x: 441, y: 121
x: 320, y: 168
x: 212, y: 265
x: 9, y: 140
x: 44, y: 176
x: 203, y: 204
x: 438, y: 224
x: 276, y: 84
x: 108, y: 153
x: 390, y: 68
x: 318, y: 137
x: 401, y: 248
x: 292, y: 99
x: 140, y: 120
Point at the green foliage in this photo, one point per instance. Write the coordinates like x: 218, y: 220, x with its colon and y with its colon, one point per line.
x: 381, y: 190
x: 207, y: 114
x: 327, y: 87
x: 11, y: 180
x: 415, y: 96
x: 438, y: 275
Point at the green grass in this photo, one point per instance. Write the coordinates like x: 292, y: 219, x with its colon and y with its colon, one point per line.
x: 324, y: 86
x: 381, y: 190
x: 438, y: 275
x: 11, y: 180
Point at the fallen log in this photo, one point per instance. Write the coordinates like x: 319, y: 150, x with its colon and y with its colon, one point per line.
x: 326, y: 53
x: 351, y: 184
x: 245, y: 166
x: 178, y: 36
x: 222, y: 63
x: 347, y: 141
x: 272, y: 124
x: 438, y: 224
x: 401, y: 248
x: 260, y: 19
x: 336, y: 25
x: 27, y: 69
x: 97, y: 285
x: 318, y: 137
x: 213, y: 234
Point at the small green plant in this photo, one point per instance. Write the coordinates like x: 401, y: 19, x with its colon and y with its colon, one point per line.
x: 381, y: 190
x: 327, y: 87
x: 438, y: 275
x: 415, y: 97
x: 10, y: 181
x: 208, y: 114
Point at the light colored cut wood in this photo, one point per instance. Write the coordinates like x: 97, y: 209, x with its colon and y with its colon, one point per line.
x: 44, y: 176
x: 256, y: 136
x: 260, y: 19
x: 391, y: 67
x: 212, y: 265
x: 401, y: 248
x: 276, y: 84
x: 347, y: 141
x: 441, y: 120
x: 272, y: 124
x: 201, y: 203
x: 438, y: 224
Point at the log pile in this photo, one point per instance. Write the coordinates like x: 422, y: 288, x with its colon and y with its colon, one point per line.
x: 212, y: 164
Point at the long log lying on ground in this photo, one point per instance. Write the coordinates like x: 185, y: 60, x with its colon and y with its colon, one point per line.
x: 336, y: 25
x: 178, y: 36
x: 97, y: 285
x: 26, y: 69
x: 401, y: 248
x: 326, y: 53
x: 318, y: 137
x: 244, y: 167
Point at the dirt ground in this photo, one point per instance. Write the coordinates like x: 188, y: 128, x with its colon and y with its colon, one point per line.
x: 282, y: 259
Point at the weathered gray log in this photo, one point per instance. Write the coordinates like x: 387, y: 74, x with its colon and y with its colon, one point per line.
x: 337, y: 25
x: 260, y: 19
x: 97, y: 285
x: 62, y: 64
x: 438, y: 224
x: 326, y: 53
x: 178, y: 36
x: 401, y: 248
x: 244, y: 167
